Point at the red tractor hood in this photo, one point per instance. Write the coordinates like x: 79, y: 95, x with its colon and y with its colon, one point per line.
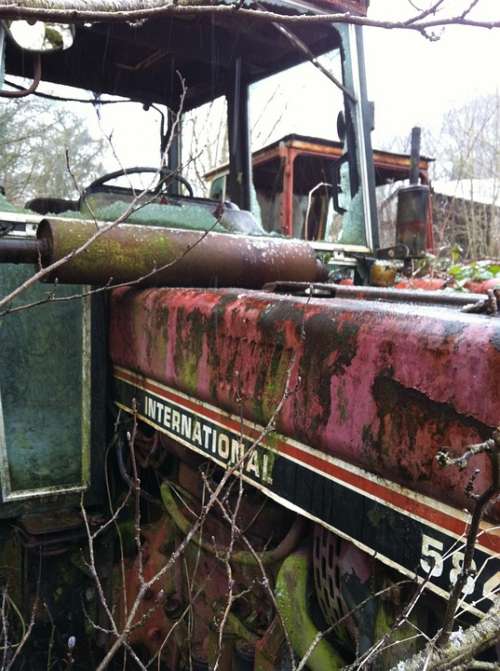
x: 361, y: 396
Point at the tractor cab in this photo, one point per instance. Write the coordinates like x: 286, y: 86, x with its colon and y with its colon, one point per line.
x: 185, y: 61
x: 298, y: 196
x: 180, y: 60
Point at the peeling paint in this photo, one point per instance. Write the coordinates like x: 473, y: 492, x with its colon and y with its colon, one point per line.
x: 382, y: 386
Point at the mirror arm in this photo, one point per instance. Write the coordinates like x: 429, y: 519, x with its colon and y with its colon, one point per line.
x: 37, y: 75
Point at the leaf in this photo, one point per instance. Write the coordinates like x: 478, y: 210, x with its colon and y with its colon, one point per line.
x: 455, y: 270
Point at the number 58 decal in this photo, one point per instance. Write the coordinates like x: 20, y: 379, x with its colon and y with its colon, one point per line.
x: 446, y: 565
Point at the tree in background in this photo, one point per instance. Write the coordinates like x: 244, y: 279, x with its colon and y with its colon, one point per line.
x: 204, y: 142
x: 205, y: 138
x: 46, y: 150
x: 467, y: 177
x: 469, y: 141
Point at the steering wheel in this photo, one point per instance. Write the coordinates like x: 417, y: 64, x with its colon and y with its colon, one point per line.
x: 164, y: 177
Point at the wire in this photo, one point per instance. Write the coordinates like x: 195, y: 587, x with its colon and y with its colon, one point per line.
x: 126, y: 477
x: 26, y: 91
x: 51, y: 96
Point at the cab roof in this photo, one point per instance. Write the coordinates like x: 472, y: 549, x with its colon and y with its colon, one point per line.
x: 140, y: 60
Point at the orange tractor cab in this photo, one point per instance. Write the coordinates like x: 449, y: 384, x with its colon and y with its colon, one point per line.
x: 293, y: 180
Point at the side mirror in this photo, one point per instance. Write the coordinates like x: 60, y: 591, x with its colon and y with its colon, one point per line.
x: 39, y: 36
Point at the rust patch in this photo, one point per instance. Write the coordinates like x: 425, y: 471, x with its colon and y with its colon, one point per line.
x: 329, y: 348
x: 271, y: 321
x: 392, y: 396
x: 414, y: 427
x: 216, y: 331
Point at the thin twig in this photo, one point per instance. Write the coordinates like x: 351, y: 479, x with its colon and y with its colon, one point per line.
x: 480, y: 505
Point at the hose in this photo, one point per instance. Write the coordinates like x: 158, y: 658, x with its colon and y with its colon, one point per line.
x: 126, y: 477
x: 246, y: 558
x: 291, y: 598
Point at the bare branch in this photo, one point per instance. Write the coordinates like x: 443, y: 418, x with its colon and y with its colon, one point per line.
x: 447, y: 654
x: 100, y: 10
x: 297, y: 42
x: 443, y: 458
x: 102, y: 230
x: 425, y: 13
x: 475, y: 639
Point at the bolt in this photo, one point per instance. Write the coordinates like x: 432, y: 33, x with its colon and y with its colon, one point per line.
x: 172, y: 606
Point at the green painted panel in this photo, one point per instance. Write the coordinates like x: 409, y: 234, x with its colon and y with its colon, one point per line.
x: 41, y: 389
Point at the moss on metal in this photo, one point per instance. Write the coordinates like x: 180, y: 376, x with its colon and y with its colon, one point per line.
x: 292, y: 599
x: 191, y: 217
x: 186, y: 359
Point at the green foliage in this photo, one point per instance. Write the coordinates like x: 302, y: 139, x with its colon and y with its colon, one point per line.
x: 457, y: 274
x: 46, y: 150
x: 477, y: 271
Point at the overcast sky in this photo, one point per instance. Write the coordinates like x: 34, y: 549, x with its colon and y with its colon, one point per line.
x: 412, y: 80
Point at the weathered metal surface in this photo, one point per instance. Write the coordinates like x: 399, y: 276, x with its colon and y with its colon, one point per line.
x: 19, y: 251
x: 169, y: 257
x: 399, y: 295
x: 473, y: 287
x: 383, y: 386
x: 416, y: 134
x: 388, y: 164
x: 44, y: 393
x: 108, y: 55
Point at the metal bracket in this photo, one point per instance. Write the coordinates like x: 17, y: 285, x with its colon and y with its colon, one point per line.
x: 398, y: 252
